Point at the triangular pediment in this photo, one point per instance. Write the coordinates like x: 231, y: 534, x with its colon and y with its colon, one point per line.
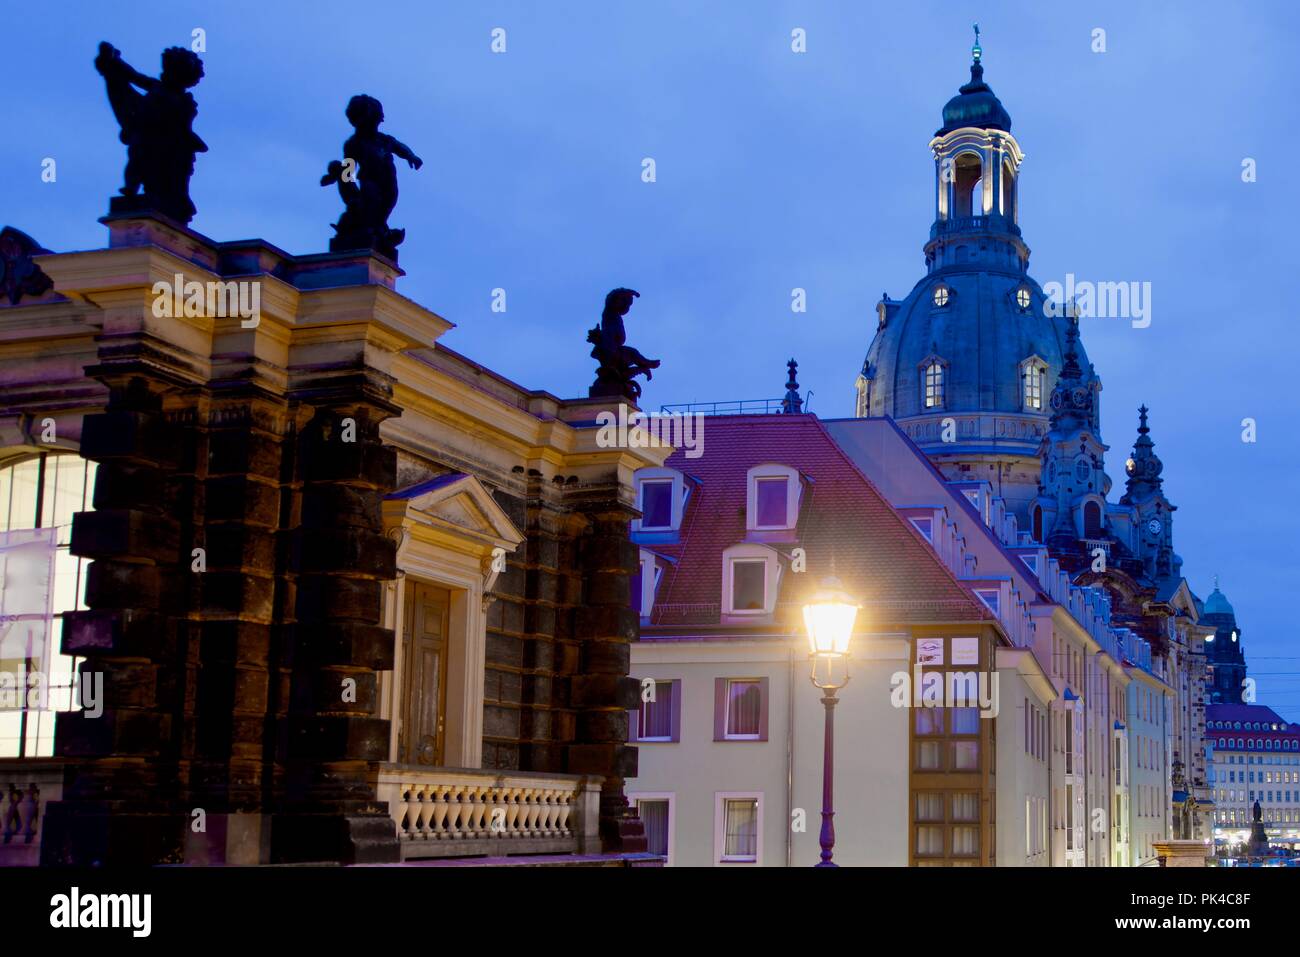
x: 455, y: 503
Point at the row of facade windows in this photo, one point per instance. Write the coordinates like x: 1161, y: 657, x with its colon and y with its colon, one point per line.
x: 1262, y: 744
x: 738, y: 825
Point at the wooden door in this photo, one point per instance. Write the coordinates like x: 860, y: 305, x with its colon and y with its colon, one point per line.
x: 425, y: 664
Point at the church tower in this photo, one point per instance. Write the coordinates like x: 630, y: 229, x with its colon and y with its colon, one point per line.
x: 1225, y: 650
x: 1153, y: 519
x: 966, y: 361
x: 1071, y: 505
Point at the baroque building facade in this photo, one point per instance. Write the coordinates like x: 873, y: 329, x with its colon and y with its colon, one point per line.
x: 345, y: 594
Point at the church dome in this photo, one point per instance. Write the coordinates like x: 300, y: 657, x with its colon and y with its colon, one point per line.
x: 1217, y: 604
x: 976, y: 106
x: 983, y: 337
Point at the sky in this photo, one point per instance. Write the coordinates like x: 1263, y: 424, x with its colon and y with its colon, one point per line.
x: 773, y: 170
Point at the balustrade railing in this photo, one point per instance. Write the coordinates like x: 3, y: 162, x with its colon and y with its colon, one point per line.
x: 445, y: 812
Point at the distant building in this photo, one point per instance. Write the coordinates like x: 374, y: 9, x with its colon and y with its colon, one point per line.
x: 1255, y: 756
x: 1225, y: 651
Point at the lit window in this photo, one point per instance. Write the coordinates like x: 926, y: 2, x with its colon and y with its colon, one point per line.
x: 1022, y: 297
x: 40, y: 493
x: 1035, y: 377
x: 740, y: 829
x: 934, y: 385
x: 941, y: 295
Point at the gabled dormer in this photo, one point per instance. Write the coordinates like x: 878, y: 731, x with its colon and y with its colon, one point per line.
x: 661, y: 496
x: 773, y: 496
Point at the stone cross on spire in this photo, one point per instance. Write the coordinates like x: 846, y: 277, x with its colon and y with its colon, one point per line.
x: 976, y: 52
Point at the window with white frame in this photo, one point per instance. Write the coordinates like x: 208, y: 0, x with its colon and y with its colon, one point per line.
x: 1033, y: 373
x: 750, y: 577
x: 932, y: 384
x: 661, y: 495
x: 772, y: 497
x: 738, y: 828
x: 644, y: 585
x: 656, y: 813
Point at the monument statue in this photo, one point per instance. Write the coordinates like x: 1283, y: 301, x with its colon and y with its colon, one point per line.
x: 619, y: 362
x: 157, y: 128
x: 19, y: 275
x: 367, y: 182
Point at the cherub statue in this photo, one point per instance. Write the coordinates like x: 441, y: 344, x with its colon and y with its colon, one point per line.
x: 619, y: 362
x: 157, y: 127
x: 367, y: 181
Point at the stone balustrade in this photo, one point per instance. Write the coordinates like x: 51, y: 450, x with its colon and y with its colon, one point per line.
x: 457, y: 812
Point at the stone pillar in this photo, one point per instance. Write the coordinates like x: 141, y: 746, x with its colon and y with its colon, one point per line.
x: 327, y: 686
x: 601, y: 692
x: 123, y: 784
x: 239, y: 455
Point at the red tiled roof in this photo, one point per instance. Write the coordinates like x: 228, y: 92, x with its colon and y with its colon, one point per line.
x: 844, y: 520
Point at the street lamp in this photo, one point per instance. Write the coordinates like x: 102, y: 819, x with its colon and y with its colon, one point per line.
x: 829, y: 617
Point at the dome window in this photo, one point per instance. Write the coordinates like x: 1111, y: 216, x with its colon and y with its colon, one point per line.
x: 941, y: 295
x: 1033, y: 373
x: 1023, y: 297
x: 933, y: 372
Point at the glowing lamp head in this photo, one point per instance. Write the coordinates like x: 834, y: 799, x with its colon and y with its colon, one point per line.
x: 829, y: 616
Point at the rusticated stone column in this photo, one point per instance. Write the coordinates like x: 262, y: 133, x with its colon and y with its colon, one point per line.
x: 601, y: 692
x: 238, y: 452
x: 121, y: 797
x: 327, y: 729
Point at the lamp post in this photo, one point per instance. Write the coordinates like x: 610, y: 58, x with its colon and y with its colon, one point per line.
x: 829, y: 617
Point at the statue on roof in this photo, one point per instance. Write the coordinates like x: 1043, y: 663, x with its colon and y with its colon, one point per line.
x: 367, y: 181
x: 157, y: 128
x: 619, y: 362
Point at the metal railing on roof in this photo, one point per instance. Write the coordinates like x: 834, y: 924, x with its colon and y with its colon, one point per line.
x: 730, y: 407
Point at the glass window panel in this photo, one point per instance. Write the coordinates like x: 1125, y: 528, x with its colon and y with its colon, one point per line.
x: 929, y: 757
x: 771, y: 494
x: 656, y: 716
x: 654, y: 815
x: 741, y: 841
x: 929, y: 807
x: 929, y: 720
x: 965, y: 720
x: 965, y: 841
x: 966, y: 807
x: 965, y: 755
x: 748, y: 585
x: 22, y: 503
x: 929, y: 840
x: 744, y: 708
x: 657, y: 504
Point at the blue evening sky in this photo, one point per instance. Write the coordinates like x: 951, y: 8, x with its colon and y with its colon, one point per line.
x: 775, y: 170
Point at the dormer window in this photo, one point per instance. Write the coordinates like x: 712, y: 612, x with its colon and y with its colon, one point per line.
x: 1033, y: 374
x: 751, y: 574
x: 772, y: 498
x: 941, y: 295
x: 644, y: 584
x: 661, y: 496
x: 933, y: 389
x: 657, y: 504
